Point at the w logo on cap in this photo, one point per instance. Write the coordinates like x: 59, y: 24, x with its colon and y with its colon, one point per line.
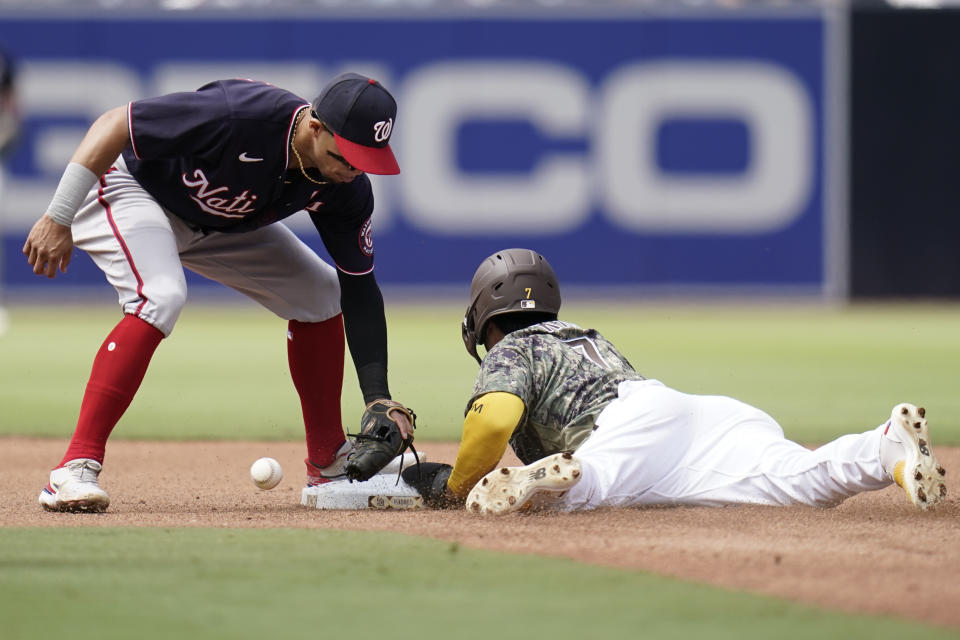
x: 382, y: 129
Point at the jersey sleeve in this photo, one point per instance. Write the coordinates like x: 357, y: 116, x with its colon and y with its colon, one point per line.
x: 346, y: 226
x: 486, y: 432
x: 190, y: 123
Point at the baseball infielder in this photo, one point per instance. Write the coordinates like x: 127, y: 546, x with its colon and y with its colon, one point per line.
x: 197, y: 180
x: 595, y: 433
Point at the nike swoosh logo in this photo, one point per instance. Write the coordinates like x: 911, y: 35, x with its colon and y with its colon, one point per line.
x: 245, y: 158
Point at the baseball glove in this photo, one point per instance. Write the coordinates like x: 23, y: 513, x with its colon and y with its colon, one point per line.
x: 379, y: 440
x: 430, y: 481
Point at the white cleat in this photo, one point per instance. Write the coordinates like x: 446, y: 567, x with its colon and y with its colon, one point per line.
x: 336, y: 470
x: 917, y: 471
x: 513, y: 488
x: 74, y: 487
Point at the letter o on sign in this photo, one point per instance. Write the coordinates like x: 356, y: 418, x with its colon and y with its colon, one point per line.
x: 769, y: 100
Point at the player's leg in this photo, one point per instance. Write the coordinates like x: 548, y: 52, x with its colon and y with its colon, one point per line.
x: 640, y: 439
x: 656, y: 445
x: 130, y: 238
x: 272, y: 266
x: 741, y: 456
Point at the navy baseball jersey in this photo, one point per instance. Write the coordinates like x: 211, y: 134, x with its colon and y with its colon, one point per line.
x: 217, y: 158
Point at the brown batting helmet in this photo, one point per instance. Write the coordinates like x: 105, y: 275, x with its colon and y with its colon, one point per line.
x: 508, y: 281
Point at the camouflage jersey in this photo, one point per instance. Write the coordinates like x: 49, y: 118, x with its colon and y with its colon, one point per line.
x: 565, y: 376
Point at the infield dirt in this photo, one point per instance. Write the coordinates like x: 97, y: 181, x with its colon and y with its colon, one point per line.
x: 872, y: 554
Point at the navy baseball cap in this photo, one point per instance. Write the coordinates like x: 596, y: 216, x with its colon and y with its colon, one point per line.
x: 360, y: 113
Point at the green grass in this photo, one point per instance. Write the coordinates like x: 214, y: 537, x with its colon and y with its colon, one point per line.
x: 211, y: 583
x: 820, y: 371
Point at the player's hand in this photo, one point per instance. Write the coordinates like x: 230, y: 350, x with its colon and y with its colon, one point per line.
x: 381, y: 438
x: 49, y: 246
x: 402, y: 418
x: 403, y: 424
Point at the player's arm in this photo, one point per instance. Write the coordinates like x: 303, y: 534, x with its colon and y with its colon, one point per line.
x: 345, y: 227
x: 104, y: 141
x: 365, y: 325
x: 49, y: 244
x: 487, y: 428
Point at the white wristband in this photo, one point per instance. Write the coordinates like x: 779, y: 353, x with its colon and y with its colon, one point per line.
x: 74, y: 186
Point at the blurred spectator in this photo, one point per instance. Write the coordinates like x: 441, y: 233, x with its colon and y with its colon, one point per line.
x: 9, y: 128
x: 9, y: 118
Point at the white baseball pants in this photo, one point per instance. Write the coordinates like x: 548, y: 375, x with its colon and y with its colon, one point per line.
x: 143, y: 249
x: 655, y: 445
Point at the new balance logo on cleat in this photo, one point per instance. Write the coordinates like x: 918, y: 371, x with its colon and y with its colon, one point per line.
x: 521, y: 488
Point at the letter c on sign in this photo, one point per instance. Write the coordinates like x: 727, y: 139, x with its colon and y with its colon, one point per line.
x: 553, y: 198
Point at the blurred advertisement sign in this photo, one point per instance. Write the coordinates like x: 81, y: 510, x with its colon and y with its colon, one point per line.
x: 638, y: 151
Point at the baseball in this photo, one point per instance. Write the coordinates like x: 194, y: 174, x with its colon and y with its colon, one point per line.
x: 266, y: 473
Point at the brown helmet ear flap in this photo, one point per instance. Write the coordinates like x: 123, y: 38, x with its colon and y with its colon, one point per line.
x: 469, y: 337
